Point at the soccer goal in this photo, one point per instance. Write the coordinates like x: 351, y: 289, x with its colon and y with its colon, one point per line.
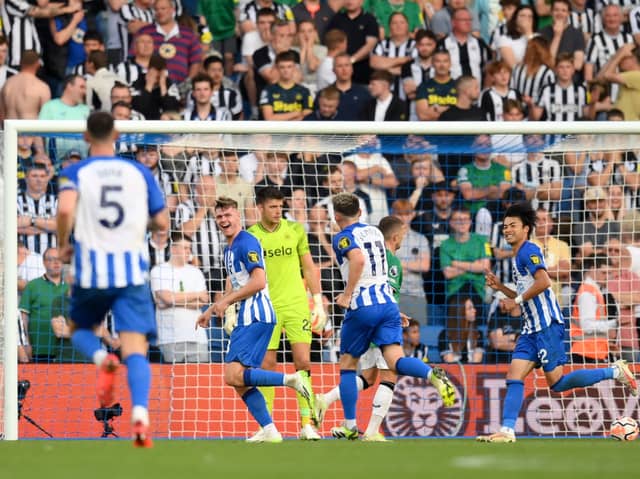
x: 449, y: 182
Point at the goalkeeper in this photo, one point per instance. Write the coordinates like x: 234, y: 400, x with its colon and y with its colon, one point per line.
x: 287, y: 255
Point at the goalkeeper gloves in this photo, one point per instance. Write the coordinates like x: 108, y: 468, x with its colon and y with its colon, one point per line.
x: 318, y: 314
x: 230, y: 319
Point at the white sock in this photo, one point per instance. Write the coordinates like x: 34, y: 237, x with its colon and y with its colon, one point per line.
x: 507, y: 430
x: 270, y: 429
x: 140, y: 414
x: 349, y: 423
x: 381, y: 404
x: 334, y: 395
x: 99, y: 356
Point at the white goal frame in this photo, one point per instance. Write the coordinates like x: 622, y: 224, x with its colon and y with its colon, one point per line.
x: 13, y: 128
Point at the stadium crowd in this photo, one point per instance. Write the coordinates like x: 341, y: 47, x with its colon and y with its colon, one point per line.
x: 366, y: 60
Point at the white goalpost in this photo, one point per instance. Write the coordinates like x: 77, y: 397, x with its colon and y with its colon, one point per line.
x: 192, y: 398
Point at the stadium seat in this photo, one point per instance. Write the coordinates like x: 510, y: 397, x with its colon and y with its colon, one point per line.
x: 429, y: 336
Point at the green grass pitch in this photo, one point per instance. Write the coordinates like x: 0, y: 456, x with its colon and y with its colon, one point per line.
x: 330, y: 459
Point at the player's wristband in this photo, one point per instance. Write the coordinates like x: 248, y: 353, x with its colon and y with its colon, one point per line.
x: 519, y: 299
x: 317, y: 298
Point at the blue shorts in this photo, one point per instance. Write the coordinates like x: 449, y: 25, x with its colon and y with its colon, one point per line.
x: 248, y: 344
x: 378, y: 324
x: 132, y: 308
x: 544, y: 348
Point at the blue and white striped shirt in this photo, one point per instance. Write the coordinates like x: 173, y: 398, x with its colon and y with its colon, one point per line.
x: 241, y: 257
x: 542, y: 310
x: 116, y: 198
x: 373, y: 286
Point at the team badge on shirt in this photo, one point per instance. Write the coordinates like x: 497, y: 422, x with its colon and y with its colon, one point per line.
x: 253, y: 257
x: 344, y: 243
x: 167, y: 51
x: 393, y: 271
x: 78, y: 35
x: 535, y: 259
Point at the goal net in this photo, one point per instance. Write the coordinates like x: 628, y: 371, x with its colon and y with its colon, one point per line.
x: 449, y: 183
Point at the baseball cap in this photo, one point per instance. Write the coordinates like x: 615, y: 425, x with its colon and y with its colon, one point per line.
x: 594, y: 193
x: 72, y: 154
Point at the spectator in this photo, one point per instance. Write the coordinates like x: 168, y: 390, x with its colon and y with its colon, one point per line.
x: 321, y: 249
x: 251, y: 42
x: 507, y: 9
x: 384, y: 105
x: 285, y: 100
x: 493, y: 99
x: 415, y: 255
x: 67, y: 32
x: 353, y: 97
x: 595, y: 317
x: 122, y: 93
x: 30, y: 266
x: 520, y: 28
x: 157, y: 93
x: 176, y: 44
x: 221, y: 19
x: 624, y: 285
x: 461, y: 341
x: 420, y: 68
x: 504, y: 329
x: 417, y: 189
x: 441, y: 21
x: 316, y: 11
x: 19, y: 26
x: 134, y: 69
x: 6, y: 71
x: 327, y: 106
x: 465, y: 107
x: 179, y: 291
x: 24, y: 94
x: 336, y: 42
x: 535, y: 71
x: 297, y: 208
x: 362, y: 36
x: 230, y: 185
x: 539, y: 177
x: 591, y: 235
x: 100, y: 81
x: 557, y: 256
x: 395, y: 51
x: 249, y: 14
x: 37, y: 307
x: 411, y: 344
x: 195, y: 218
x: 125, y: 20
x: 435, y: 95
x: 375, y: 176
x: 203, y: 109
x: 223, y: 96
x: 37, y: 211
x: 468, y: 54
x: 629, y: 80
x: 464, y: 257
x: 604, y: 44
x: 562, y: 37
x: 340, y: 179
x: 585, y: 19
x: 148, y: 155
x: 562, y: 100
x: 277, y: 172
x: 311, y: 54
x: 91, y: 41
x: 159, y: 247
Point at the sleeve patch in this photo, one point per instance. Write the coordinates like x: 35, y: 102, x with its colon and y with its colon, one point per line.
x: 253, y: 257
x: 344, y: 242
x: 535, y: 259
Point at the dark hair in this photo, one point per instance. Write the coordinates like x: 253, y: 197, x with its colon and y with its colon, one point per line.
x: 382, y: 75
x: 225, y: 202
x: 594, y: 261
x: 525, y: 213
x: 266, y: 12
x: 268, y: 193
x: 157, y: 62
x: 119, y: 84
x: 566, y: 2
x: 412, y: 323
x: 389, y: 225
x: 286, y: 56
x: 564, y: 57
x: 614, y: 112
x: 29, y: 58
x: 92, y: 35
x: 177, y: 236
x: 396, y: 14
x: 35, y: 165
x: 420, y: 34
x: 120, y: 104
x: 201, y: 78
x: 212, y: 59
x: 70, y: 80
x: 98, y: 58
x: 100, y: 125
x: 512, y: 29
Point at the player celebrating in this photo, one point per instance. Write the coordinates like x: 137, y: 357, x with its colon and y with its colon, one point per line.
x: 108, y: 202
x: 540, y: 342
x: 393, y: 230
x: 247, y: 286
x: 286, y: 251
x: 372, y: 314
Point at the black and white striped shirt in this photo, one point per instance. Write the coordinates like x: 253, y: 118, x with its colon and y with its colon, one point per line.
x: 250, y: 12
x: 603, y: 46
x: 44, y: 207
x: 533, y: 173
x: 130, y: 71
x: 531, y: 85
x: 222, y: 98
x: 563, y: 104
x: 499, y: 31
x: 502, y: 268
x: 19, y: 30
x: 158, y: 255
x: 207, y: 242
x: 6, y: 72
x: 492, y: 103
x: 387, y: 48
x: 587, y: 21
x: 468, y: 58
x: 128, y: 12
x: 81, y: 70
x: 634, y: 21
x: 417, y: 72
